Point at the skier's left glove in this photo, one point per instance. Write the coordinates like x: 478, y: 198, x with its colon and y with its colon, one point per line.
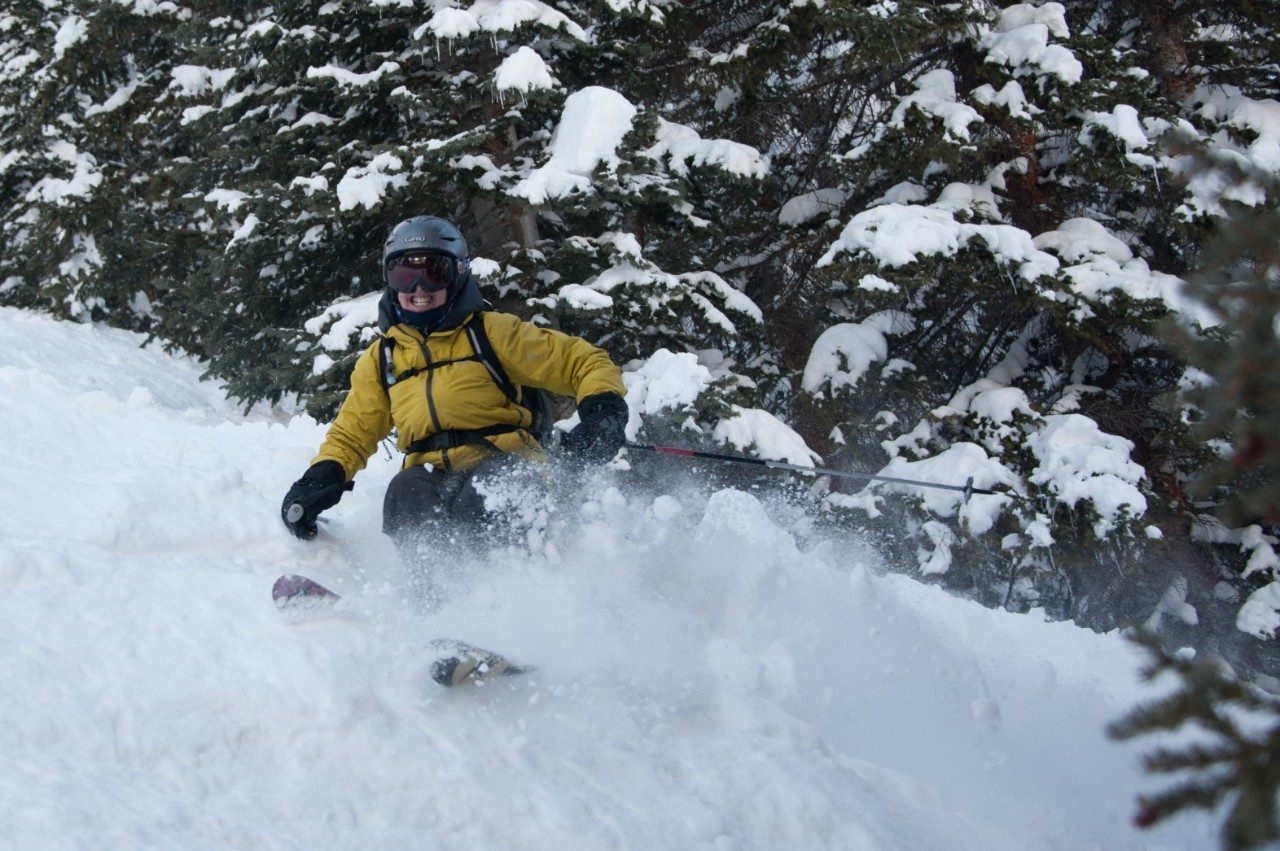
x: 602, y: 429
x: 319, y: 488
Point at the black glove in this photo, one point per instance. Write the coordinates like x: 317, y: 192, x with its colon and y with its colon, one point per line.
x: 602, y: 429
x: 319, y: 488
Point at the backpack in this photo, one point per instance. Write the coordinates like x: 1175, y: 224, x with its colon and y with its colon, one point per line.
x: 535, y: 400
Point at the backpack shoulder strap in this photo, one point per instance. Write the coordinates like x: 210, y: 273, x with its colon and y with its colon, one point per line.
x: 487, y: 356
x: 533, y: 399
x: 385, y: 345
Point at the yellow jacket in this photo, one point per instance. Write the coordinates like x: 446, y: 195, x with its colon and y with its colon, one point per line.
x: 461, y: 394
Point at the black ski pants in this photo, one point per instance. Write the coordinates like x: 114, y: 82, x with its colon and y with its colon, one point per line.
x: 445, y: 506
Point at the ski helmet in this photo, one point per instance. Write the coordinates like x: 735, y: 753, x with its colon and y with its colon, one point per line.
x: 429, y: 234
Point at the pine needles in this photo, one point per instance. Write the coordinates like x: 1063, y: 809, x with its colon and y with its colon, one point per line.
x: 1235, y: 754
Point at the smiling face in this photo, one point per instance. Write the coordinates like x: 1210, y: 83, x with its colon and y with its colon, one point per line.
x: 419, y: 300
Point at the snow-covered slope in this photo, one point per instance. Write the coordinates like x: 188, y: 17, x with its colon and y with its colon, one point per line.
x: 704, y: 681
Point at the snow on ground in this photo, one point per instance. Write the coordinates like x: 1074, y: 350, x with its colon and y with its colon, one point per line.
x: 706, y: 680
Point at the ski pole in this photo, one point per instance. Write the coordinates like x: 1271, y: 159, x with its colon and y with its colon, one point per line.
x: 967, y: 488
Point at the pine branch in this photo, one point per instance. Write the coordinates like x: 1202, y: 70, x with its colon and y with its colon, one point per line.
x: 1232, y: 765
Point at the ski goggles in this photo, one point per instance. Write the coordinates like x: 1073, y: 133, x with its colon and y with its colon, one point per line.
x: 431, y: 272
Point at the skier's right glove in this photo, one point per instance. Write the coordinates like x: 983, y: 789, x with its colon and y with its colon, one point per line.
x: 319, y: 488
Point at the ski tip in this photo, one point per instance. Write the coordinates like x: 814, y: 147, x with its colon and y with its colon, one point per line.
x: 456, y: 671
x: 459, y: 663
x: 291, y: 589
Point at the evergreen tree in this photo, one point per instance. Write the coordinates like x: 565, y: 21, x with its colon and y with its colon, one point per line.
x: 305, y: 132
x: 1239, y: 282
x: 1234, y: 757
x: 1015, y: 153
x: 85, y: 222
x: 933, y: 123
x: 276, y: 143
x: 939, y: 237
x: 592, y: 210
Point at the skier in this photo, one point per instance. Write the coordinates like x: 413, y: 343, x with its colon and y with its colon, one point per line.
x: 454, y: 380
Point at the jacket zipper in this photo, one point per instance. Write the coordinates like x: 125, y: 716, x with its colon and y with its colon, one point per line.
x: 431, y: 402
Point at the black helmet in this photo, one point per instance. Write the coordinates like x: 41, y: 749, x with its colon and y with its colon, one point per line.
x: 428, y: 234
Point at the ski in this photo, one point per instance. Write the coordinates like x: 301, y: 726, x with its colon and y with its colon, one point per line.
x: 292, y: 591
x: 455, y: 663
x: 459, y: 662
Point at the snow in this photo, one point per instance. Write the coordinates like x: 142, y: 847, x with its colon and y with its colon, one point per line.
x: 906, y: 192
x: 1080, y: 462
x: 1260, y: 614
x: 875, y: 282
x: 582, y: 297
x: 192, y: 114
x: 506, y: 15
x: 763, y: 435
x: 245, y: 230
x: 117, y: 99
x: 62, y: 191
x: 311, y: 185
x: 954, y: 466
x: 1257, y: 121
x: 497, y: 17
x: 1101, y: 275
x: 843, y: 353
x: 707, y: 677
x: 196, y: 80
x: 592, y: 125
x: 683, y: 145
x: 71, y: 32
x: 809, y: 206
x: 1082, y: 239
x: 344, y: 318
x: 450, y: 23
x: 1260, y: 117
x: 349, y: 79
x: 311, y: 119
x: 895, y: 235
x: 84, y: 259
x: 935, y: 95
x: 1102, y: 264
x: 1010, y: 96
x: 1020, y: 41
x: 365, y: 185
x: 666, y: 380
x: 1121, y: 122
x: 523, y: 71
x: 229, y: 200
x: 313, y: 238
x: 642, y: 7
x: 999, y: 404
x: 146, y: 8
